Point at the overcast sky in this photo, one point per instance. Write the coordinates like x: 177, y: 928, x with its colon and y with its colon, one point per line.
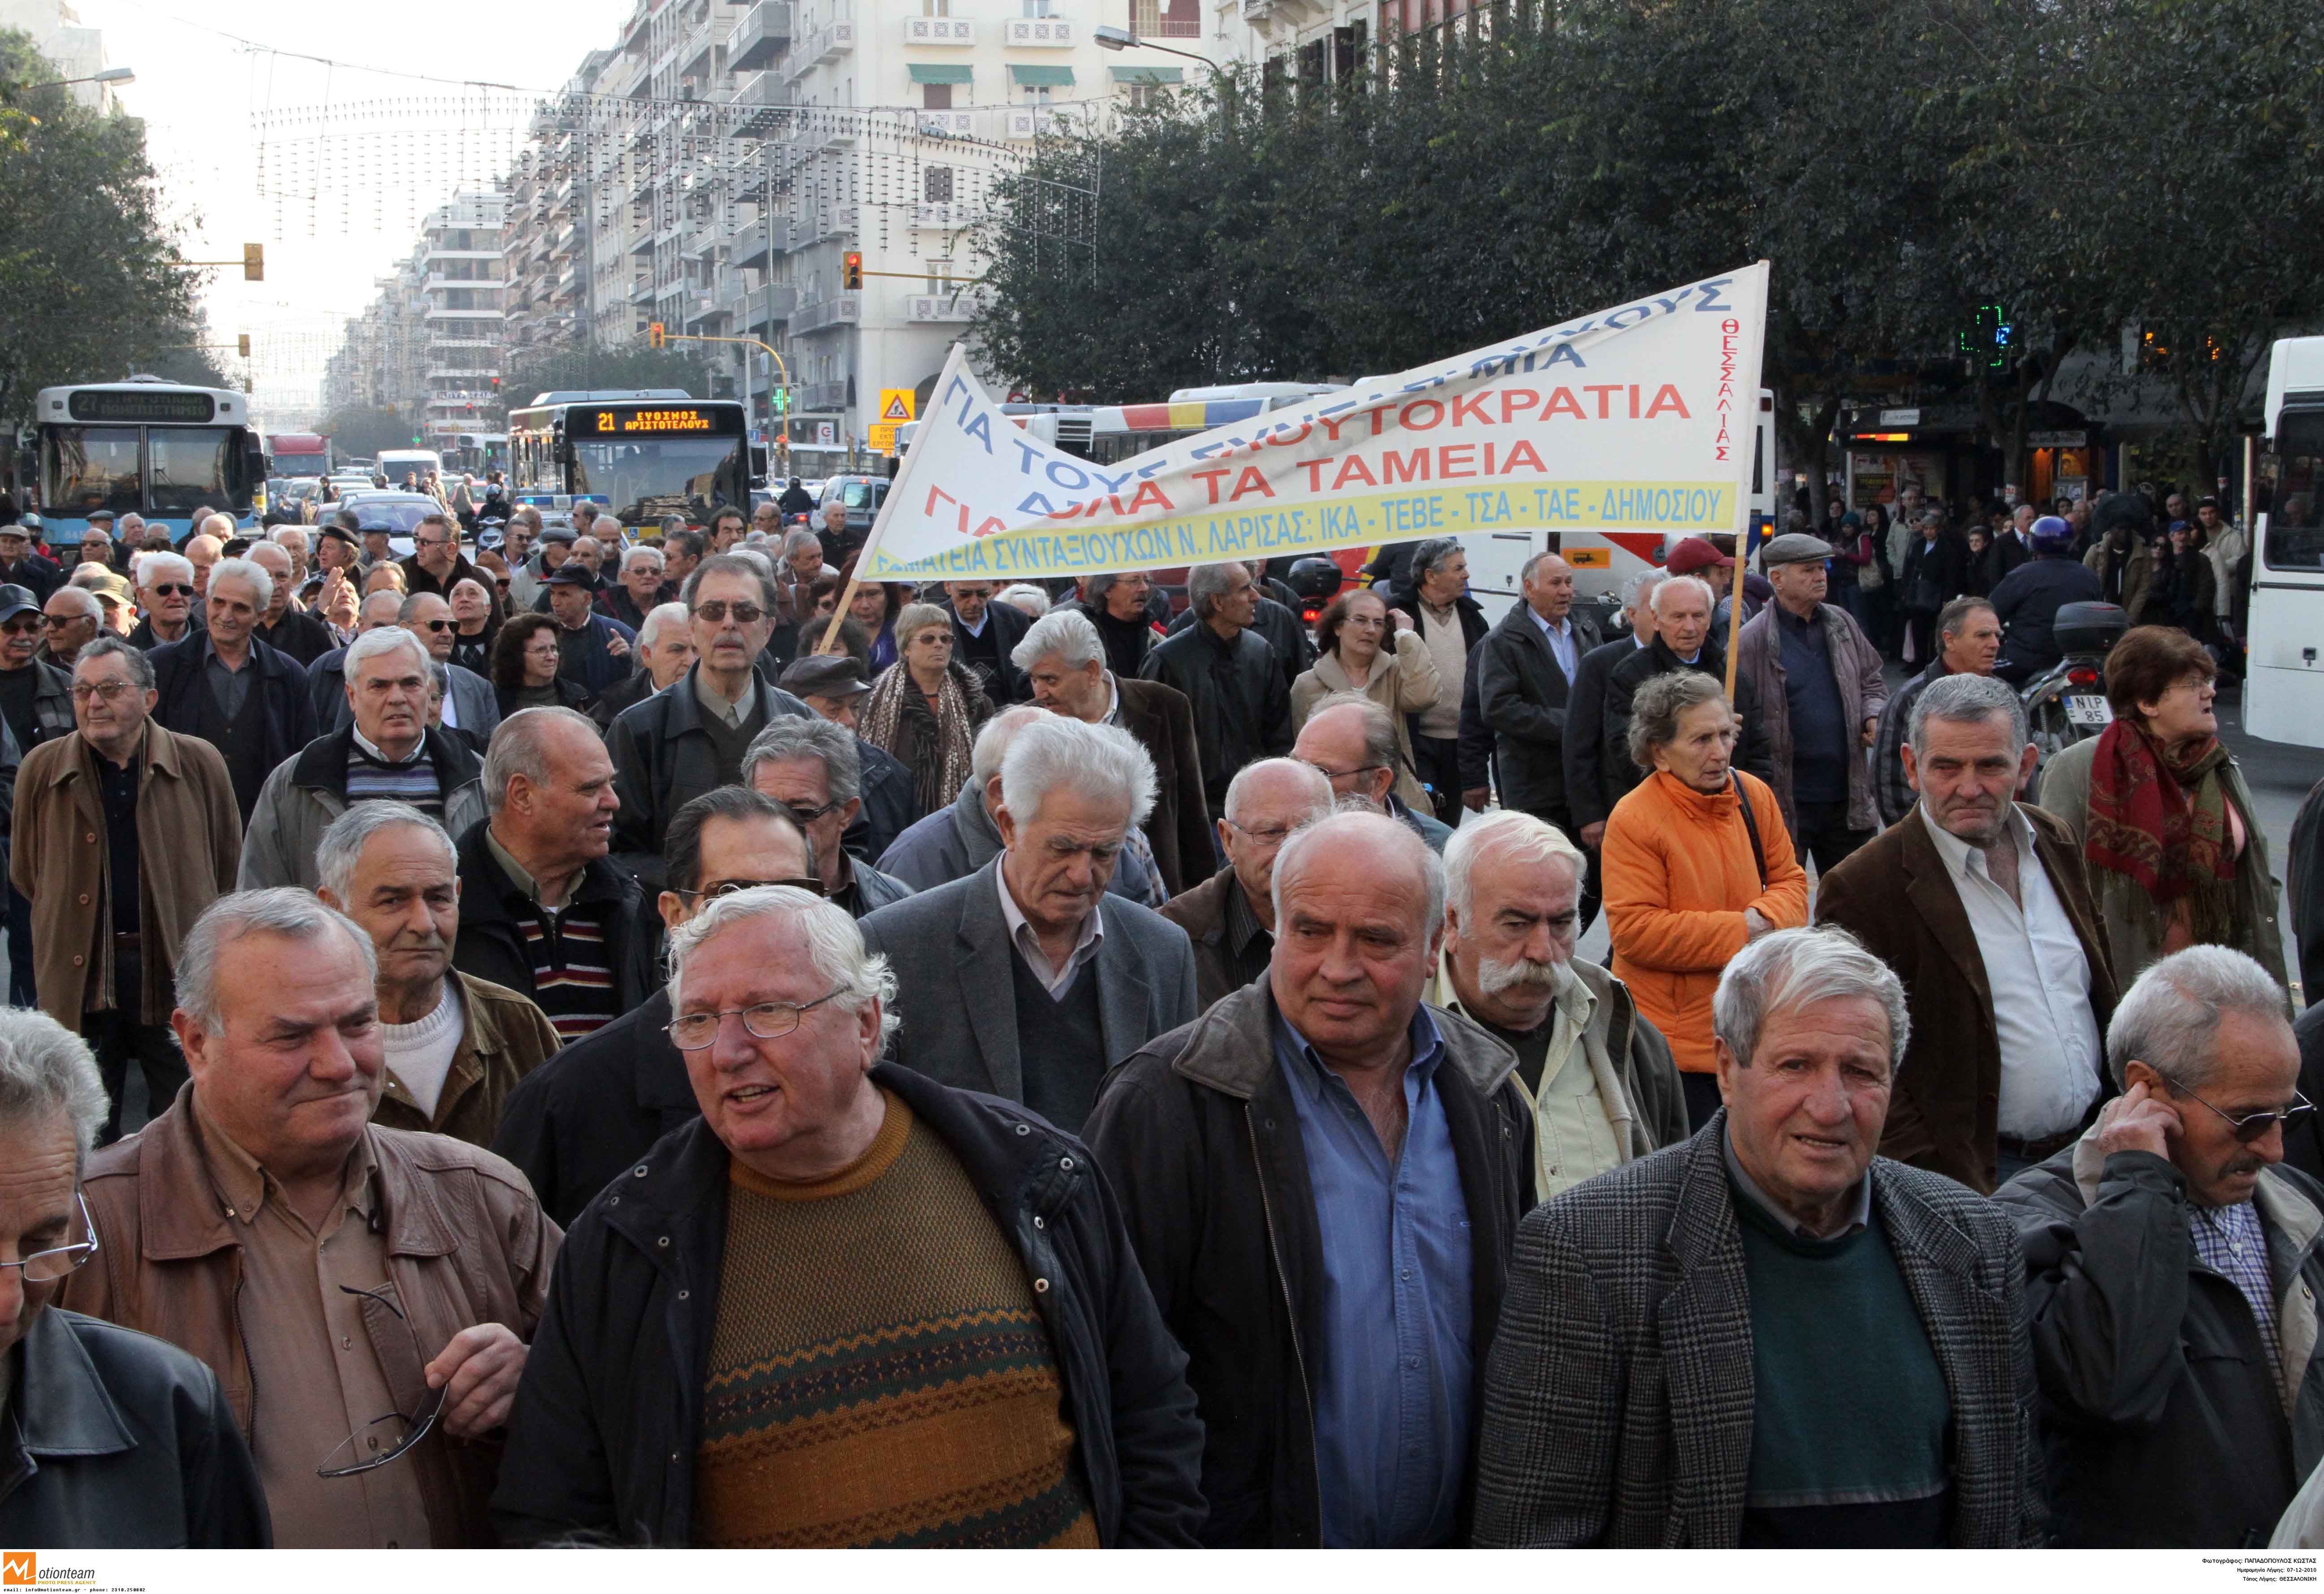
x: 246, y: 151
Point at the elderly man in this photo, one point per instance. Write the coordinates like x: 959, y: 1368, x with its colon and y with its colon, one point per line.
x: 344, y: 1270
x: 285, y: 627
x: 35, y: 697
x: 232, y: 690
x: 1229, y: 917
x: 1062, y: 659
x: 457, y: 1046
x: 1240, y: 698
x: 204, y: 550
x: 1582, y: 752
x: 386, y: 752
x: 106, y: 922
x: 1285, y: 634
x: 1968, y: 640
x: 1527, y: 666
x: 985, y: 639
x: 176, y: 1473
x: 1598, y: 1073
x: 810, y: 766
x: 665, y: 652
x: 1323, y: 1177
x: 294, y: 540
x: 327, y: 677
x: 20, y: 567
x: 1117, y: 603
x: 471, y: 705
x: 165, y: 591
x: 1817, y: 678
x: 1452, y: 624
x: 1680, y: 609
x: 73, y: 619
x: 801, y: 562
x: 1350, y: 741
x: 1819, y: 1347
x: 1015, y: 980
x: 584, y: 1118
x: 96, y: 545
x: 593, y: 651
x: 1012, y: 1384
x: 2172, y: 1270
x: 832, y: 687
x: 681, y: 551
x: 680, y: 743
x: 437, y: 563
x: 639, y: 592
x: 542, y: 911
x: 116, y: 601
x: 839, y: 544
x: 1980, y: 905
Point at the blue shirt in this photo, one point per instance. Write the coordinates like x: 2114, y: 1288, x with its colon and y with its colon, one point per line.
x: 1560, y: 637
x: 1392, y: 1374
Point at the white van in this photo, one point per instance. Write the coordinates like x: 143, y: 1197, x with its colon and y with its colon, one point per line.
x: 395, y: 464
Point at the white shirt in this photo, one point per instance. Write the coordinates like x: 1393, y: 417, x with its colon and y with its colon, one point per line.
x: 420, y: 1054
x: 2040, y: 980
x: 1021, y: 935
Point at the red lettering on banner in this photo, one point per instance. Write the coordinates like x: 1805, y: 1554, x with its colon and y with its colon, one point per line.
x: 1522, y: 456
x: 1470, y: 407
x: 1332, y: 426
x: 1452, y: 454
x: 1285, y: 439
x: 1436, y: 414
x: 1149, y: 492
x: 1666, y: 398
x: 1209, y: 479
x: 1354, y: 469
x: 1562, y: 401
x: 1403, y: 467
x: 1252, y: 480
x: 1602, y: 389
x: 1314, y: 469
x: 1510, y: 405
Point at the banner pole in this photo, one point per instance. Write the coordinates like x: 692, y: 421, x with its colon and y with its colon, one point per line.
x: 1743, y: 525
x: 1735, y: 607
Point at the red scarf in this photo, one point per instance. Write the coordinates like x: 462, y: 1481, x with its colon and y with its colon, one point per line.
x: 2157, y: 816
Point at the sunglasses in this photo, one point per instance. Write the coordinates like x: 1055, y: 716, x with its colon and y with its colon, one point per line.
x: 2253, y: 1126
x: 171, y: 589
x: 716, y: 610
x: 437, y: 624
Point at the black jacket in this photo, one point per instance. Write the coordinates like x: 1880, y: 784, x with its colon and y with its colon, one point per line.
x: 585, y: 1116
x: 891, y: 802
x: 622, y: 694
x: 39, y: 575
x: 1524, y: 695
x: 287, y: 713
x: 1476, y: 751
x: 593, y: 667
x: 491, y: 946
x: 1584, y: 755
x: 1934, y: 572
x: 146, y: 639
x: 1240, y: 699
x: 606, y: 1423
x: 663, y: 759
x: 2027, y: 602
x: 1127, y: 641
x: 1616, y: 774
x: 298, y: 635
x: 115, y: 1440
x: 2303, y: 895
x: 1285, y: 634
x: 1006, y: 624
x: 1199, y: 1133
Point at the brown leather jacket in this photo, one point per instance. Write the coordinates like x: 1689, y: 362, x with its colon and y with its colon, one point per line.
x: 465, y: 1240
x: 503, y: 1038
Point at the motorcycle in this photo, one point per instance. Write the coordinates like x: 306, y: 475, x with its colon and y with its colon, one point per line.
x: 2067, y: 703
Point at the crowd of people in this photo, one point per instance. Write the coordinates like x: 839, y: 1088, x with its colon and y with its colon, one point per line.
x: 1048, y: 1069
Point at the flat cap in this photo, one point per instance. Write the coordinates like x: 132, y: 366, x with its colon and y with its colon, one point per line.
x: 1794, y: 547
x: 824, y: 675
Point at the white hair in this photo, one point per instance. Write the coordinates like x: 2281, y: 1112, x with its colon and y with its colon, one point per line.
x: 1693, y: 584
x: 279, y: 910
x: 992, y: 744
x: 1965, y: 700
x: 1640, y: 587
x: 834, y: 947
x: 660, y: 618
x: 1793, y: 969
x: 1520, y: 833
x: 383, y: 639
x: 218, y: 526
x: 262, y: 582
x: 340, y: 852
x: 1068, y: 633
x: 45, y: 1069
x: 1375, y: 836
x: 1104, y: 763
x: 1248, y: 778
x: 640, y: 551
x: 787, y: 736
x: 1025, y: 598
x: 157, y: 566
x: 2169, y: 1019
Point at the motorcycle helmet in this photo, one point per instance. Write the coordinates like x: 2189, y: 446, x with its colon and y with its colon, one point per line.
x: 2051, y: 534
x: 1316, y: 579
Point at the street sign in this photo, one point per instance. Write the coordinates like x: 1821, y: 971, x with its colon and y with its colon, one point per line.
x: 826, y: 433
x: 895, y: 403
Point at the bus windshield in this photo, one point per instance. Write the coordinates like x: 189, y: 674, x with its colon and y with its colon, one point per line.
x: 193, y: 468
x: 1113, y: 448
x: 644, y: 479
x: 2295, y: 520
x: 93, y: 467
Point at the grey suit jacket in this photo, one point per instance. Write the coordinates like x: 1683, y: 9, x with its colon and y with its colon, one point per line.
x: 1619, y: 1397
x: 949, y: 948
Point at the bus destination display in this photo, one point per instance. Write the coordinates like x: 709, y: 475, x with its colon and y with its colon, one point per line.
x: 98, y: 404
x: 616, y: 423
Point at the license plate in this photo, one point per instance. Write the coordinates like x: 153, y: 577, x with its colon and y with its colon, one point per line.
x: 2089, y: 711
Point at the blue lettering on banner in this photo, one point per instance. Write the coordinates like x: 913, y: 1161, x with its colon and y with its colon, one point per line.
x: 1662, y: 506
x: 1414, y: 514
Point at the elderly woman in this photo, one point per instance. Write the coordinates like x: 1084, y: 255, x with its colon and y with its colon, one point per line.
x: 524, y: 668
x: 473, y: 629
x: 1351, y: 658
x: 926, y: 707
x: 2176, y: 854
x: 1690, y: 874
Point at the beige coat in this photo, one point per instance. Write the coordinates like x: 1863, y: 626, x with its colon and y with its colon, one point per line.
x: 1403, y: 682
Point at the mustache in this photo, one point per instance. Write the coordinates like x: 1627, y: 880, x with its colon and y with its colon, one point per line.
x: 1494, y: 976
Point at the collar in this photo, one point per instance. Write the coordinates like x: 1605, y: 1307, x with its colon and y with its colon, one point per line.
x: 1240, y: 919
x: 419, y: 749
x: 1428, y: 1044
x: 210, y: 654
x: 60, y: 1404
x: 522, y: 877
x: 1570, y: 996
x: 977, y: 629
x: 1112, y: 714
x: 1859, y: 1198
x: 245, y: 1186
x: 1791, y: 622
x: 1962, y: 860
x: 1554, y: 628
x: 728, y: 711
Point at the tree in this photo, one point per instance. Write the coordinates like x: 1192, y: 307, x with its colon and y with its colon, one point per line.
x: 364, y: 433
x: 86, y: 276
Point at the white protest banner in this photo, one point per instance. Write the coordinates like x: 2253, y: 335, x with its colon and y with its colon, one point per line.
x: 1638, y: 419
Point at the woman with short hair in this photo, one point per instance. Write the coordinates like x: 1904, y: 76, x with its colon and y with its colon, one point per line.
x: 525, y: 660
x: 1365, y: 646
x: 926, y: 707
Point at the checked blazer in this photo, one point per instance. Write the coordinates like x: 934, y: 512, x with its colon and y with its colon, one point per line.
x: 1618, y: 1394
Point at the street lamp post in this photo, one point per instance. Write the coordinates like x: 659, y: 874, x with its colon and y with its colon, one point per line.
x: 1108, y: 37
x: 110, y: 75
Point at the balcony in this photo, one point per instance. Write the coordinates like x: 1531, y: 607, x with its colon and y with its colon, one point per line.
x: 828, y: 43
x: 948, y: 213
x: 836, y: 221
x: 1039, y: 33
x: 763, y: 33
x: 824, y: 395
x: 642, y: 292
x: 939, y: 30
x: 957, y: 305
x: 758, y: 99
x: 825, y: 315
x: 945, y: 124
x: 1023, y: 124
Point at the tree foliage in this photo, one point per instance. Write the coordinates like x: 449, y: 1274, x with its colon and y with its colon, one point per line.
x: 86, y: 290
x: 2089, y: 165
x: 364, y: 433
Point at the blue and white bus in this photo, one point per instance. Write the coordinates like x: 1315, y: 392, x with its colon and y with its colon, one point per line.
x: 638, y: 455
x: 157, y: 448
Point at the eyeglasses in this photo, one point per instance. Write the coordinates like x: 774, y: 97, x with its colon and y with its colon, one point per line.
x: 437, y: 624
x: 1329, y: 774
x: 716, y: 610
x: 397, y: 1431
x: 2254, y: 1126
x: 728, y: 888
x: 48, y: 1266
x: 59, y: 621
x: 691, y: 1032
x: 810, y: 816
x: 103, y: 691
x: 1271, y: 837
x: 171, y: 589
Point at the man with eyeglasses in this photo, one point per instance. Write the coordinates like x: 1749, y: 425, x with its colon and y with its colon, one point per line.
x: 78, y: 1476
x: 35, y: 704
x: 636, y: 595
x: 1351, y: 740
x: 110, y: 904
x: 385, y: 751
x: 472, y: 708
x: 582, y: 1119
x: 20, y: 567
x: 1229, y: 917
x: 437, y: 563
x: 811, y: 765
x: 73, y: 618
x: 285, y: 627
x: 953, y: 1265
x: 2173, y: 1271
x: 683, y: 741
x: 165, y: 591
x: 234, y: 691
x: 363, y: 1294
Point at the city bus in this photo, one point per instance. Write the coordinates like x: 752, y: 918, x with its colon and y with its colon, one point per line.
x: 157, y: 448
x: 2284, y: 683
x: 639, y: 455
x: 476, y: 453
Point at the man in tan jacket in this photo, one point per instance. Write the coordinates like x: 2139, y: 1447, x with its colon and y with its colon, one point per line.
x: 124, y: 832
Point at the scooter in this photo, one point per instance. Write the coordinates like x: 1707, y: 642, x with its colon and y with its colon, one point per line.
x: 2067, y: 703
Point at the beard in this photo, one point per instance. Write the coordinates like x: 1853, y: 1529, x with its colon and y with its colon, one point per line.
x: 1495, y: 978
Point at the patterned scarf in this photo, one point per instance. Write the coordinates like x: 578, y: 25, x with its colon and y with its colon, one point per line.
x: 2159, y: 817
x: 940, y: 757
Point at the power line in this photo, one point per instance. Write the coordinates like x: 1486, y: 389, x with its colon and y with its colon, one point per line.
x: 254, y: 46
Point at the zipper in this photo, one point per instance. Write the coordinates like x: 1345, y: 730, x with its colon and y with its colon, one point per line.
x: 1282, y: 1279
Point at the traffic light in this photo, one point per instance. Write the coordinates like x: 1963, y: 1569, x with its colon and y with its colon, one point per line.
x: 242, y: 344
x: 253, y: 263
x: 657, y: 336
x: 782, y: 400
x: 851, y: 271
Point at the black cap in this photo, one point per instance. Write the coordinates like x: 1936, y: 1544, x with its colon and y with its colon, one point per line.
x: 824, y: 675
x: 16, y: 600
x: 571, y: 573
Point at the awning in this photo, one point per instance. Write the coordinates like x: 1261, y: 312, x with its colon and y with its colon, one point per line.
x: 1042, y: 77
x: 1148, y: 74
x: 921, y: 74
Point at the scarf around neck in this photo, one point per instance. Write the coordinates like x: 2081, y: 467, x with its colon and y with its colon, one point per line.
x: 2160, y: 817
